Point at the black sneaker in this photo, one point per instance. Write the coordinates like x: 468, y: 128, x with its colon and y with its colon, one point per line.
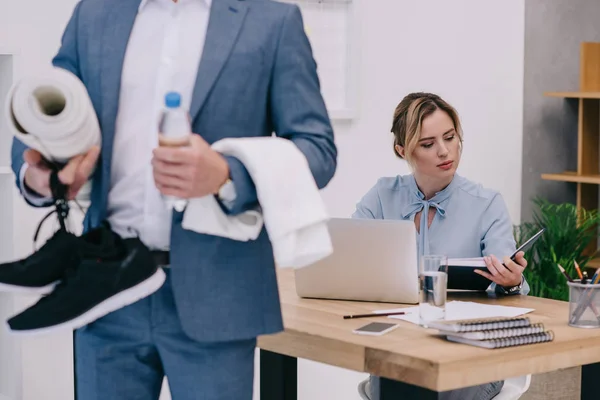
x: 42, y: 271
x: 96, y: 287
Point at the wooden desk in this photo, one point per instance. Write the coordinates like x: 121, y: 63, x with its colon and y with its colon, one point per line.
x: 412, y: 362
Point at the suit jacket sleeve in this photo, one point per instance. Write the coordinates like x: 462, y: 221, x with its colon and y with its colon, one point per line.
x: 297, y: 111
x: 67, y: 59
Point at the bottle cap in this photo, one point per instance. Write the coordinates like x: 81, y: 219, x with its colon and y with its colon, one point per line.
x: 172, y: 100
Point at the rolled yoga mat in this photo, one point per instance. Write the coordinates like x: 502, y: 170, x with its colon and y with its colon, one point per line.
x: 52, y: 113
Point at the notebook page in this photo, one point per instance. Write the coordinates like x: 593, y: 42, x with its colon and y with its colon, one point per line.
x: 467, y: 262
x: 459, y: 310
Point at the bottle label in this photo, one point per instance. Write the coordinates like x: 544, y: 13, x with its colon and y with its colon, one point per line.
x: 181, y: 141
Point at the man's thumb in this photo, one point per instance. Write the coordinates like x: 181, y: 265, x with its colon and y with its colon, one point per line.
x: 197, y: 141
x: 67, y: 174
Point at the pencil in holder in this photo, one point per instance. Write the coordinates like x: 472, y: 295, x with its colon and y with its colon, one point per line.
x: 584, y: 305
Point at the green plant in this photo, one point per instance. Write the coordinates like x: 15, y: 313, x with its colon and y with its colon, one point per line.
x: 568, y: 233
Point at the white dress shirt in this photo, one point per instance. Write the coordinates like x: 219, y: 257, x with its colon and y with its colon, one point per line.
x: 162, y: 55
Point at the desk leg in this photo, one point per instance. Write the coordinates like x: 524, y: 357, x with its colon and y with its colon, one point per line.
x: 589, y: 381
x: 394, y: 390
x: 278, y: 376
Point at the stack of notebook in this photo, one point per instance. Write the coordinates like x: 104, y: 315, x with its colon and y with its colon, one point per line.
x: 495, y: 333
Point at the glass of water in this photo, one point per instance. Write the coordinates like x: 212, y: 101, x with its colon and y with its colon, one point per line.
x: 433, y: 282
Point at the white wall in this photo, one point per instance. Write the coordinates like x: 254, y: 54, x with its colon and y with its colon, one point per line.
x: 468, y: 51
x: 471, y: 53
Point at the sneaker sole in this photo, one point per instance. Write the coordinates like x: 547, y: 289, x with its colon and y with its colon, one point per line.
x: 16, y: 289
x: 118, y: 301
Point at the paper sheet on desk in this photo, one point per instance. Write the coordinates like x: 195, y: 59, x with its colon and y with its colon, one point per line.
x: 459, y: 310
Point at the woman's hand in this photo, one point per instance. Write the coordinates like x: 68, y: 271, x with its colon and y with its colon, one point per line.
x: 508, y: 274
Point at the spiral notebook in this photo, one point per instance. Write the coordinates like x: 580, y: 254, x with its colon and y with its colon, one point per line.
x: 476, y: 325
x: 495, y: 333
x: 540, y: 337
x: 500, y: 333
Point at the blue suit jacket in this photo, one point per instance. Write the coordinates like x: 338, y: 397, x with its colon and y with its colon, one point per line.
x: 256, y: 75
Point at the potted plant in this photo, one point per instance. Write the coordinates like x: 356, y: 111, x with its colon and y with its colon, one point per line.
x: 569, y: 232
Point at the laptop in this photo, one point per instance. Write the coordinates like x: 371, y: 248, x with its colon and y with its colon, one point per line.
x: 372, y: 260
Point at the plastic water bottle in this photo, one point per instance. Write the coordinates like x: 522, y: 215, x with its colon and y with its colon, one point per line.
x: 174, y: 131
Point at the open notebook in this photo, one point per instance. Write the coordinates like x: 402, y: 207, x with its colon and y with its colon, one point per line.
x: 461, y: 274
x: 467, y: 262
x: 494, y: 333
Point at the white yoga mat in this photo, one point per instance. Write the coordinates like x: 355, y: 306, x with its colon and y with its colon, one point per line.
x: 51, y: 112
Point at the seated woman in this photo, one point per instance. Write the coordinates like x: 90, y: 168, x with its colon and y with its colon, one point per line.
x: 453, y: 216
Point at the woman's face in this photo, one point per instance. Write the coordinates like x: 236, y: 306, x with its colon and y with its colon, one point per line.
x: 438, y: 152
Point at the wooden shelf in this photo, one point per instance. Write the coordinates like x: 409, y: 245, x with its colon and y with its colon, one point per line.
x: 574, y: 95
x: 570, y: 176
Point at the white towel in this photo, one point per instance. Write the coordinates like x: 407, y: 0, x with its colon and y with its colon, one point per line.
x: 52, y: 113
x: 292, y: 209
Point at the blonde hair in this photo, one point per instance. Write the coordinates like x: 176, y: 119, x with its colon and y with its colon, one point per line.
x: 408, y: 118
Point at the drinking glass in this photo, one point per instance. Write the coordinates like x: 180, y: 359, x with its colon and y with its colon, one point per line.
x: 433, y: 284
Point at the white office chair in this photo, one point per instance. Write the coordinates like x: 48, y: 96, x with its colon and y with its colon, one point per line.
x: 364, y: 389
x: 513, y: 388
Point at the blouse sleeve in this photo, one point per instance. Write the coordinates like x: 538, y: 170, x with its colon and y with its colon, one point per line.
x: 369, y: 207
x: 498, y: 235
x: 498, y: 238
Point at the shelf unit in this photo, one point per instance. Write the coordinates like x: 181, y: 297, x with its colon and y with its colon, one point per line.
x: 574, y: 95
x: 587, y: 176
x: 36, y: 367
x: 10, y: 362
x: 573, y: 176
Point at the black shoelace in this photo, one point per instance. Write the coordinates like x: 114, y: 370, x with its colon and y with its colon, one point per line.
x: 61, y: 203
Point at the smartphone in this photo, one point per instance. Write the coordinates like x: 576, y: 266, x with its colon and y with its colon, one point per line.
x: 525, y: 246
x: 375, y: 329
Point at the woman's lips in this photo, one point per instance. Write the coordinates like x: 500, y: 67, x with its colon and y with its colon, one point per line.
x: 446, y: 165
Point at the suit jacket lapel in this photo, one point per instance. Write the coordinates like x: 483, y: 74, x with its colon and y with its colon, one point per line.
x: 226, y: 19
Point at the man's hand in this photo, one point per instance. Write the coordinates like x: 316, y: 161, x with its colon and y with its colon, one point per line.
x: 507, y: 275
x: 190, y: 171
x: 74, y: 174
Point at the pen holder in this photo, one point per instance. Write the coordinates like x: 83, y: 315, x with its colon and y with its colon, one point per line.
x: 584, y: 305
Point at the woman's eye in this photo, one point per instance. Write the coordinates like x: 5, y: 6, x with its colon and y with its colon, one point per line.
x: 426, y: 145
x: 450, y: 138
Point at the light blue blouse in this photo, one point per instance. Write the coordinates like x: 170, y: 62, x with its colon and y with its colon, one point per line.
x: 470, y: 220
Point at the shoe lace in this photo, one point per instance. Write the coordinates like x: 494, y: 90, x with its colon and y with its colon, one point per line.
x: 61, y: 205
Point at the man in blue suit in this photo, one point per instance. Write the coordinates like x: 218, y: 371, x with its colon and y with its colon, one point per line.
x: 246, y: 70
